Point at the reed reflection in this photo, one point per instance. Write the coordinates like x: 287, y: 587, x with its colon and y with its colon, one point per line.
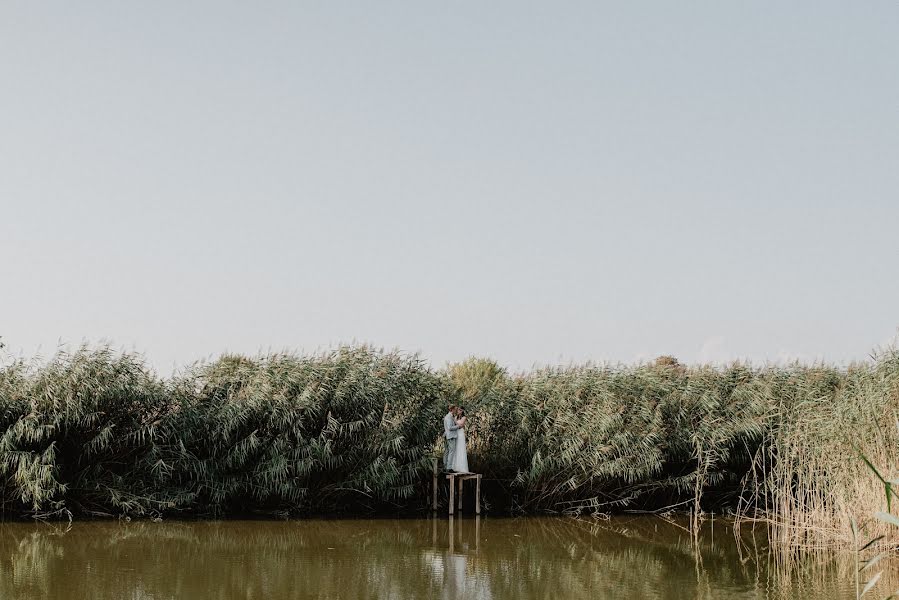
x: 458, y: 558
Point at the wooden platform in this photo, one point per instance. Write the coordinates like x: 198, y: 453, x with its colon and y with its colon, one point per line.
x: 453, y: 479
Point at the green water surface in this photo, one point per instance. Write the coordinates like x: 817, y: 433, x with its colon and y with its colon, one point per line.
x: 465, y: 557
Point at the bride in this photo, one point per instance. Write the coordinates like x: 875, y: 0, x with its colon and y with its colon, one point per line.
x: 460, y: 463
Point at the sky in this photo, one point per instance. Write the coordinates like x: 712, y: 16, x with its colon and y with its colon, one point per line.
x: 539, y: 183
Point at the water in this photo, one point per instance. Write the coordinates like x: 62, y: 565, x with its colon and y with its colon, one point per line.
x: 483, y: 558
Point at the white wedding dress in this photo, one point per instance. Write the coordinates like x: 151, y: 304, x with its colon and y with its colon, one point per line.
x: 460, y: 462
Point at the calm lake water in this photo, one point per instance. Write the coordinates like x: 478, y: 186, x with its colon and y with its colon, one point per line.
x: 483, y: 558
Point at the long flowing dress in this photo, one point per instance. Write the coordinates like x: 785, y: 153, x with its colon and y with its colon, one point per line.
x: 460, y: 463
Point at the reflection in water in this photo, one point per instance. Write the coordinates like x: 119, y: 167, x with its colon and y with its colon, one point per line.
x: 454, y: 575
x: 462, y: 558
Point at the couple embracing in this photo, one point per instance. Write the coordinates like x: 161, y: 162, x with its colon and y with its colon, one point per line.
x: 455, y: 454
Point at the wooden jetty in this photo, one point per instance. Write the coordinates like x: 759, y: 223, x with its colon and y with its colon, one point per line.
x: 454, y: 480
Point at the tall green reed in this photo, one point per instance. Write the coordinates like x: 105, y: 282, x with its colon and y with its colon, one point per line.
x: 95, y: 432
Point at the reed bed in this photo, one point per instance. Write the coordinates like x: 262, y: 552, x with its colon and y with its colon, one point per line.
x: 96, y: 433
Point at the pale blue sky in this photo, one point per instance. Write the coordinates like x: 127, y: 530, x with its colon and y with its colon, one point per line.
x: 539, y: 183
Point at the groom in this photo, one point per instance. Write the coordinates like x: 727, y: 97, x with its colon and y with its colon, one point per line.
x: 451, y: 431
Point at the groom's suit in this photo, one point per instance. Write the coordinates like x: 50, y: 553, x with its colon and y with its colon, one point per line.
x: 451, y: 431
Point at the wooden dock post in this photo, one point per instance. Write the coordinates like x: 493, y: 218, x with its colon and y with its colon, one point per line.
x: 461, y: 478
x: 452, y: 490
x: 477, y: 496
x: 434, y: 490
